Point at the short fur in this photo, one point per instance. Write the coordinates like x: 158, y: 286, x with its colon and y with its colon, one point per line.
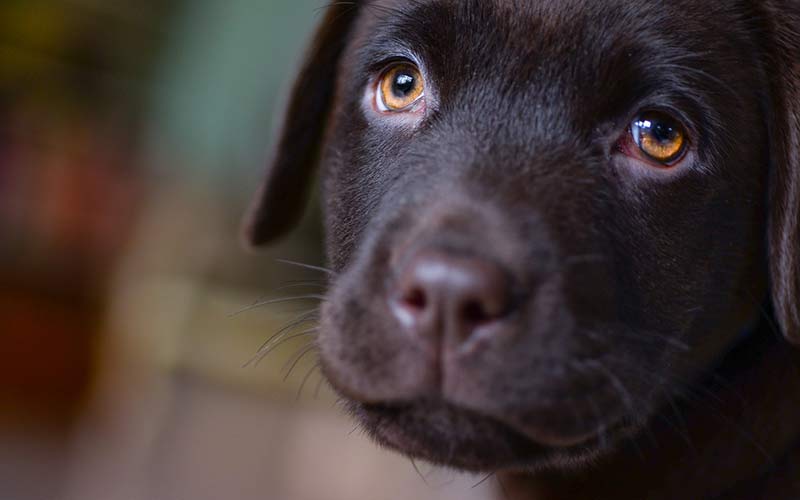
x: 654, y: 315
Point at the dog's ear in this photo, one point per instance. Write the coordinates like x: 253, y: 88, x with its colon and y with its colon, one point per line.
x: 784, y: 223
x: 282, y: 197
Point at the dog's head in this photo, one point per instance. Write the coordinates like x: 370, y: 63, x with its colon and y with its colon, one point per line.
x: 544, y: 216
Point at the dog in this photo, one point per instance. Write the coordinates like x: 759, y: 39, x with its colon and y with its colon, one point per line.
x: 564, y: 238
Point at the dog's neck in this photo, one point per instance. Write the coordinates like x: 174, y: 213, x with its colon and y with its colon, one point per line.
x: 729, y: 439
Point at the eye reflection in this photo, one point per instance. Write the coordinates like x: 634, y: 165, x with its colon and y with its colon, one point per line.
x: 659, y: 136
x: 399, y: 88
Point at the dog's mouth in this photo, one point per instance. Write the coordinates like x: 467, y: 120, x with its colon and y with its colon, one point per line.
x: 483, y: 411
x: 442, y: 433
x: 449, y: 362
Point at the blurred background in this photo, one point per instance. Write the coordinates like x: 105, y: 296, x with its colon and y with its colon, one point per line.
x: 131, y: 138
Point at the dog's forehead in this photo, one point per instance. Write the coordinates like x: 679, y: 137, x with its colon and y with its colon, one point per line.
x: 536, y: 28
x: 559, y: 14
x: 511, y: 8
x: 560, y: 54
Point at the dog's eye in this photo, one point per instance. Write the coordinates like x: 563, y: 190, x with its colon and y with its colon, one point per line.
x: 400, y: 87
x: 659, y: 136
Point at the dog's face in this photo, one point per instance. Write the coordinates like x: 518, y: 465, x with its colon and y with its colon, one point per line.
x: 545, y: 216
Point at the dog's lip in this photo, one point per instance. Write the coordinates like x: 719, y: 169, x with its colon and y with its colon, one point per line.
x: 393, y: 411
x: 540, y: 439
x: 389, y: 425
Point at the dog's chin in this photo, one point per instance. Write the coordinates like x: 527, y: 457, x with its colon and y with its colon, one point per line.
x: 443, y: 434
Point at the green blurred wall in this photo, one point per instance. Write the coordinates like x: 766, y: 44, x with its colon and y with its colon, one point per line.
x: 226, y: 66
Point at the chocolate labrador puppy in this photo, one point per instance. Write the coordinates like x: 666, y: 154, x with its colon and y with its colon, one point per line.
x: 565, y: 237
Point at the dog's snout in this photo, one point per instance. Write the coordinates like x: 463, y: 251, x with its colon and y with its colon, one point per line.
x: 438, y: 293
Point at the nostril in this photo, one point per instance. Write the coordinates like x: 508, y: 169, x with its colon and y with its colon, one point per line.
x: 439, y: 293
x: 410, y: 305
x: 475, y: 313
x: 415, y: 299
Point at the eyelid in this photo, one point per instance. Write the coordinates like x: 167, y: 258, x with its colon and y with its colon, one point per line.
x: 379, y: 62
x: 677, y: 108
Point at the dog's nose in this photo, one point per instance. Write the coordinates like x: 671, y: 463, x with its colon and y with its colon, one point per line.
x: 440, y: 294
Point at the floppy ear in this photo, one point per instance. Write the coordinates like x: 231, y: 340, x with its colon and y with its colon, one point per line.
x: 282, y: 197
x: 784, y: 223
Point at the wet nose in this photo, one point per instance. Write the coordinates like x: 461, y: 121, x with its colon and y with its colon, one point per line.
x: 442, y: 294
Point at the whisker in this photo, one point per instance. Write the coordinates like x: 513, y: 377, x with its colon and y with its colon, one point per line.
x: 683, y: 428
x: 482, y: 481
x: 720, y: 415
x: 642, y: 336
x: 419, y: 472
x: 262, y: 303
x: 700, y: 394
x: 305, y: 317
x: 261, y: 355
x: 301, y: 284
x: 619, y: 387
x: 696, y: 394
x: 311, y: 315
x: 294, y: 360
x: 763, y: 313
x: 598, y: 415
x: 503, y: 489
x: 320, y: 281
x: 319, y: 384
x: 305, y: 379
x: 312, y: 267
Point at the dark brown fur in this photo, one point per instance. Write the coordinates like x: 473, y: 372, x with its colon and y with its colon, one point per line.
x: 656, y: 316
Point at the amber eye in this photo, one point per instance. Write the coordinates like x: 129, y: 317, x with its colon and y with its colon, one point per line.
x: 400, y: 87
x: 659, y: 136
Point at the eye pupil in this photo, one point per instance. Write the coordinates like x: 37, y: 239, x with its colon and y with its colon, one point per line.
x: 663, y: 132
x: 404, y: 84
